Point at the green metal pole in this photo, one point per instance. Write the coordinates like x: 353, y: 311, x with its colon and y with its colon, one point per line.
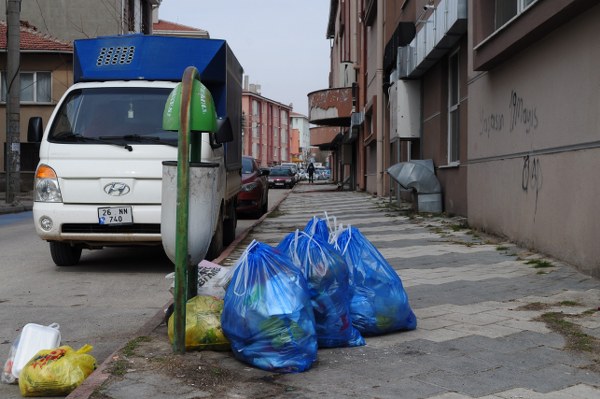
x: 182, y: 212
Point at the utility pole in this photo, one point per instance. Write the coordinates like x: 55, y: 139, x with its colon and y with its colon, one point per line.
x: 13, y: 110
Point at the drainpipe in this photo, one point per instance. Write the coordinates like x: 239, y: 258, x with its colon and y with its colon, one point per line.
x: 380, y: 104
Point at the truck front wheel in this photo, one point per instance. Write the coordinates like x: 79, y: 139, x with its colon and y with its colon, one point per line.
x: 65, y: 254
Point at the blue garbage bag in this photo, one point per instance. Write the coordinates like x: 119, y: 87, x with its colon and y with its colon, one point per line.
x: 318, y: 227
x: 379, y: 302
x: 267, y: 314
x: 328, y: 280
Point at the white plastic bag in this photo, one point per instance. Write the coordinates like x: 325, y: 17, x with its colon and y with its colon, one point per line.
x: 7, y: 377
x: 212, y: 279
x: 34, y: 337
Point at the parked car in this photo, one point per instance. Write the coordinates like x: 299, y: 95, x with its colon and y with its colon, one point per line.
x: 253, y: 198
x: 322, y: 174
x: 282, y: 177
x: 294, y: 167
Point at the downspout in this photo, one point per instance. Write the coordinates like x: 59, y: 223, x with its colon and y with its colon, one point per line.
x: 380, y: 104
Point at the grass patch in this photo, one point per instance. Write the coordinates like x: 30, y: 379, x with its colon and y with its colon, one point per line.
x: 501, y: 248
x: 535, y: 306
x: 119, y: 367
x: 576, y: 339
x: 539, y: 263
x: 131, y: 346
x: 458, y: 227
x: 569, y: 303
x: 275, y: 213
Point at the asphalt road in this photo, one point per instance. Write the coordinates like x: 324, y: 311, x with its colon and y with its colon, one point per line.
x: 102, y: 301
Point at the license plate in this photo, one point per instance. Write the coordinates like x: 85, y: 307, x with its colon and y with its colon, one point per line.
x: 115, y: 215
x: 278, y: 184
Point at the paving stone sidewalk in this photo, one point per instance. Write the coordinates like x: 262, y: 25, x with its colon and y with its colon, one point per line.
x: 494, y: 320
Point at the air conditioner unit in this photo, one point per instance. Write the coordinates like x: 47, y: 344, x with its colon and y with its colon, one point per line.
x: 405, y: 61
x: 347, y: 74
x: 405, y: 109
x: 356, y: 120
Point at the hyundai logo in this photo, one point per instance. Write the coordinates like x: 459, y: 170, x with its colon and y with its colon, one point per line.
x: 117, y: 189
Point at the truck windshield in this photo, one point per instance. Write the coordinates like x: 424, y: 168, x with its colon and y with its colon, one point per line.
x: 113, y: 115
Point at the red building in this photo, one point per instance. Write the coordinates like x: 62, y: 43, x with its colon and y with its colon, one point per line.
x: 267, y: 128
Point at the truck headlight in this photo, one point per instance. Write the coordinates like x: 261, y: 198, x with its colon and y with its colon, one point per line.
x: 46, y: 185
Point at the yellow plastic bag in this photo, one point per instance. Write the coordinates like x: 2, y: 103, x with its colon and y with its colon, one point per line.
x: 202, y: 324
x: 56, y: 372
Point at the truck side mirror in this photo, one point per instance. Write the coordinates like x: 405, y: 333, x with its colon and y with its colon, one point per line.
x: 35, y: 129
x: 224, y: 133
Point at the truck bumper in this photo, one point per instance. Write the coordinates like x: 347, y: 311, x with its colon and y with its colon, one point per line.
x: 78, y: 223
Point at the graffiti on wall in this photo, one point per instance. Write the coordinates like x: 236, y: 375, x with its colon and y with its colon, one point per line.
x: 531, y: 177
x: 491, y: 123
x: 520, y: 114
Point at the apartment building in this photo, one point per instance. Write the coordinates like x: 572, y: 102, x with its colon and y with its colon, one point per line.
x: 77, y: 19
x: 501, y: 98
x: 267, y: 134
x: 534, y: 141
x: 300, y: 129
x: 45, y: 73
x: 46, y: 33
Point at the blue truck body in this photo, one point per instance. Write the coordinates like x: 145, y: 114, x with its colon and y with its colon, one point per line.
x: 149, y: 57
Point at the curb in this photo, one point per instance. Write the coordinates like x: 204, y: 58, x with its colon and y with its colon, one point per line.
x: 100, y: 375
x: 14, y: 208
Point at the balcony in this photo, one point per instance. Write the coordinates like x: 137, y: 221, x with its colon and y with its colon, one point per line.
x: 440, y: 32
x: 330, y: 107
x: 324, y: 137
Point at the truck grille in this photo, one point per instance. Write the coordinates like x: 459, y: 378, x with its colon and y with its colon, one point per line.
x: 140, y: 228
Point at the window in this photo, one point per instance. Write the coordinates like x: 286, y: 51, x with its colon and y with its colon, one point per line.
x: 505, y: 10
x: 453, y: 109
x: 35, y: 87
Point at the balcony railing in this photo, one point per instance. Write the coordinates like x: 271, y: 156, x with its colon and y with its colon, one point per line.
x: 330, y: 107
x: 438, y: 34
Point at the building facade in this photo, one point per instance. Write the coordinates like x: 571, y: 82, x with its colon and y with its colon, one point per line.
x: 301, y: 125
x: 534, y: 141
x: 267, y: 134
x: 68, y: 20
x: 47, y: 31
x: 46, y: 67
x: 500, y: 98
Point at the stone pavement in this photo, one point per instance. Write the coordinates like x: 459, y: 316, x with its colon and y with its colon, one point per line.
x: 494, y: 321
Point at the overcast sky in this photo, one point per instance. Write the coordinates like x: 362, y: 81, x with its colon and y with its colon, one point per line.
x: 281, y: 44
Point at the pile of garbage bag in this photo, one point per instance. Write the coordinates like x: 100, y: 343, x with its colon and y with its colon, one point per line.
x: 325, y: 286
x: 42, y: 367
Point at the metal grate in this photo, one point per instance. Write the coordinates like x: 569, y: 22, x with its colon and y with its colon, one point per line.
x: 115, y: 55
x: 94, y: 228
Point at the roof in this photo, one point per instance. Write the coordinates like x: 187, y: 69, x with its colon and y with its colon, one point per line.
x: 33, y: 40
x: 172, y: 27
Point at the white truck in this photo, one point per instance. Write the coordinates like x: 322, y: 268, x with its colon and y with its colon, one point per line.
x: 98, y: 182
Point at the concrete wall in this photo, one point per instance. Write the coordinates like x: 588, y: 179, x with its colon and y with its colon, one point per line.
x: 533, y: 146
x: 72, y: 19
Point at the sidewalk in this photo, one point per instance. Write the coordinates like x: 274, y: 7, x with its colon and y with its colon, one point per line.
x: 494, y: 321
x: 22, y: 203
